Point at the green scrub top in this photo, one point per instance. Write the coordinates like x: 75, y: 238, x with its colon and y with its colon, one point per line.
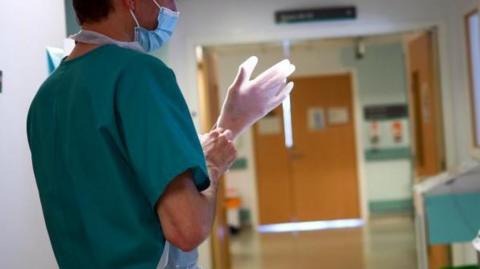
x: 108, y: 131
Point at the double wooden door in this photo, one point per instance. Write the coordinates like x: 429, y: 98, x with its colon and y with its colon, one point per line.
x: 317, y: 177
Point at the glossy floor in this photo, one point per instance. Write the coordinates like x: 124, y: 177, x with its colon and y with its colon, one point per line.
x: 384, y: 243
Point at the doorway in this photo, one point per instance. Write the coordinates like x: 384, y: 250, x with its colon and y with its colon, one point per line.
x: 358, y: 117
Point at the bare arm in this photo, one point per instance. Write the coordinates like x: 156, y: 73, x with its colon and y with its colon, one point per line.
x: 187, y: 215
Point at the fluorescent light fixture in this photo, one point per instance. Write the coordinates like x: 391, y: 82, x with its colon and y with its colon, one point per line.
x: 287, y: 45
x: 310, y: 226
x: 286, y: 106
x: 287, y: 122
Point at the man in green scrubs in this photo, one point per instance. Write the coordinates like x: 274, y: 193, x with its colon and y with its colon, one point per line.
x: 120, y: 170
x: 118, y: 163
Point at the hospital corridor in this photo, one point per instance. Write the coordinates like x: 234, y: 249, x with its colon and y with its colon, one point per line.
x: 255, y: 134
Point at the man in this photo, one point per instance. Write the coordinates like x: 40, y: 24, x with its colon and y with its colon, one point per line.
x: 123, y: 179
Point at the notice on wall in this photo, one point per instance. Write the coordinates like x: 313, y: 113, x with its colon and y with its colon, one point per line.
x: 271, y: 125
x: 316, y: 119
x: 397, y: 131
x: 338, y: 115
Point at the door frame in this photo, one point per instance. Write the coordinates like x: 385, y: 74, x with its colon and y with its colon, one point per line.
x: 359, y: 135
x: 439, y: 104
x: 443, y: 253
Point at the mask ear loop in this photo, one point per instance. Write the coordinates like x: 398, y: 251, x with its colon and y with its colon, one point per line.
x: 133, y: 16
x: 160, y: 7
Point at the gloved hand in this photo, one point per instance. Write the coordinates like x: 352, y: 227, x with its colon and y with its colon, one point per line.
x: 250, y: 100
x: 219, y: 151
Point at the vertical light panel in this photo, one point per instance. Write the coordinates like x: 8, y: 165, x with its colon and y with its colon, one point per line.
x: 286, y: 106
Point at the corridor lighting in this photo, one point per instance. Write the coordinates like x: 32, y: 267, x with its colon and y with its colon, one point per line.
x: 287, y: 122
x: 286, y: 106
x: 310, y: 226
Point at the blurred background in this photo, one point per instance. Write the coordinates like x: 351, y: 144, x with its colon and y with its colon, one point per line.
x: 371, y: 163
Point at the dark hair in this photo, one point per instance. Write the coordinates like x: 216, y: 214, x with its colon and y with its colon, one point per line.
x: 92, y: 10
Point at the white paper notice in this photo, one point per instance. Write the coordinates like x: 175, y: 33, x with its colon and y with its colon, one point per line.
x: 338, y: 115
x: 316, y: 119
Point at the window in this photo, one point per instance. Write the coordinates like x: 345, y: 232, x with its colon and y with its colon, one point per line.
x: 473, y: 46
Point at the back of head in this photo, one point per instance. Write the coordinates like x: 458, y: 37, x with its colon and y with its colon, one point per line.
x: 89, y: 11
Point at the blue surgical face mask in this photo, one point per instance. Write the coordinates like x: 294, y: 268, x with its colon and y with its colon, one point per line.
x: 154, y: 40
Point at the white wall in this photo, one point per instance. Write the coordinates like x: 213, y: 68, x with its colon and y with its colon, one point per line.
x: 229, y: 21
x: 26, y: 28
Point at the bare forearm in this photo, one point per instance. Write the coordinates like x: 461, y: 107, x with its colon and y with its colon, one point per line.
x: 186, y: 214
x: 209, y: 198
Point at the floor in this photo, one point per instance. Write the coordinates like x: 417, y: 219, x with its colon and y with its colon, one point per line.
x: 385, y: 243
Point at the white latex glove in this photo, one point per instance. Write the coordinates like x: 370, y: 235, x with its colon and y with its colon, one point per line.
x: 219, y: 151
x: 250, y: 100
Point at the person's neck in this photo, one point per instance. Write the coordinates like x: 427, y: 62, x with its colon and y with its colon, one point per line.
x: 113, y: 29
x: 110, y: 27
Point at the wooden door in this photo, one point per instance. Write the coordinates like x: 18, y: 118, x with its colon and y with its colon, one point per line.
x: 425, y: 108
x: 324, y: 156
x: 317, y: 178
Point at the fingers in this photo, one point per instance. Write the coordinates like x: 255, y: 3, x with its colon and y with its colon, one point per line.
x: 279, y: 71
x: 290, y: 70
x: 221, y: 144
x: 230, y: 154
x: 287, y: 89
x: 272, y: 72
x: 207, y: 140
x: 222, y: 154
x: 215, y: 133
x: 277, y: 80
x: 233, y: 153
x: 240, y: 79
x: 223, y: 133
x: 282, y: 95
x: 249, y: 66
x: 245, y: 71
x: 228, y: 134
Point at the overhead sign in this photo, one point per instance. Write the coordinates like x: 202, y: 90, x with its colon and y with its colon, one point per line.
x: 385, y: 112
x: 316, y: 14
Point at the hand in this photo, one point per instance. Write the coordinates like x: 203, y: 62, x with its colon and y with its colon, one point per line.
x: 250, y: 100
x: 219, y: 151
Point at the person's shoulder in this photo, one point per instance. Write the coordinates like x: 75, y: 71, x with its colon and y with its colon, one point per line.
x: 137, y: 61
x: 48, y: 87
